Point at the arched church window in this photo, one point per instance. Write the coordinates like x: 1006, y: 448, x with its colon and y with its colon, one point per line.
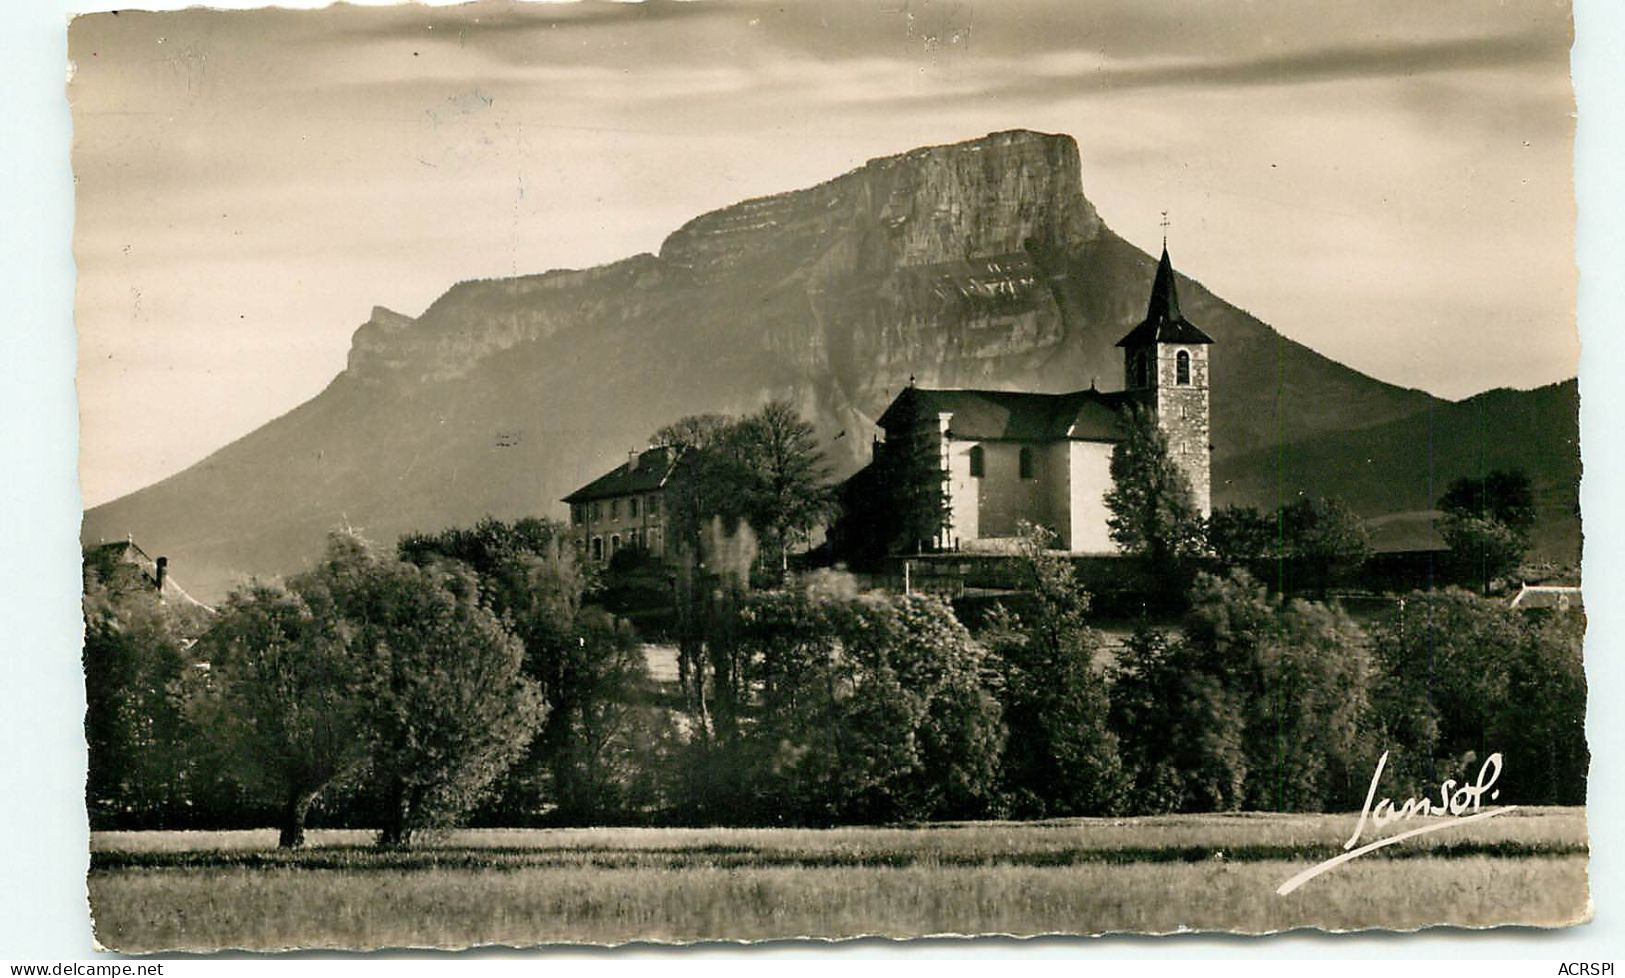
x: 1182, y: 368
x: 977, y: 463
x: 1025, y: 459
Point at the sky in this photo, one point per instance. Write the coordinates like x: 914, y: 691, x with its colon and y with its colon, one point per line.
x: 1386, y: 182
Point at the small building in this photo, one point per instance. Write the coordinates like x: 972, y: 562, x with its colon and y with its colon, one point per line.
x: 124, y: 563
x: 624, y: 509
x: 1010, y: 457
x: 1550, y: 597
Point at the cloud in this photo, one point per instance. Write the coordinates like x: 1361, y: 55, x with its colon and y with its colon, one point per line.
x: 1379, y: 59
x: 497, y: 18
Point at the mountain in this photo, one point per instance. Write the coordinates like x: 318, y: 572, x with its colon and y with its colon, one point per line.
x: 1394, y: 473
x: 976, y: 264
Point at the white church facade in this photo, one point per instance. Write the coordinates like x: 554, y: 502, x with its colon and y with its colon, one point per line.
x: 1011, y: 457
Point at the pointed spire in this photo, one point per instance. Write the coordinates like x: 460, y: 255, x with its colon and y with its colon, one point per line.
x: 1164, y: 323
x: 1164, y: 307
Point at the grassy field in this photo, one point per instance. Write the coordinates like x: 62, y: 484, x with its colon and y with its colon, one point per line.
x: 164, y: 890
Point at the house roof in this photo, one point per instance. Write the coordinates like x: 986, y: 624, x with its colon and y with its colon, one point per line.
x: 1163, y: 321
x: 1088, y: 415
x: 128, y: 553
x: 653, y: 470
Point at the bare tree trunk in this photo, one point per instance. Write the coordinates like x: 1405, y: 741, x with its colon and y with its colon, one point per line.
x: 395, y: 834
x: 294, y: 809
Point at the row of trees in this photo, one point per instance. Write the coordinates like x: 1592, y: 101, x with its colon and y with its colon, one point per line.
x: 463, y: 677
x: 460, y: 676
x: 826, y: 706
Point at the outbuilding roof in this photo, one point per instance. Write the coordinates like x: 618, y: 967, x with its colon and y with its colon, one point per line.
x: 1554, y: 596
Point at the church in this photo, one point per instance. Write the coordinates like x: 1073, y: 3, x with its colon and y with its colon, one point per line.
x: 1012, y: 457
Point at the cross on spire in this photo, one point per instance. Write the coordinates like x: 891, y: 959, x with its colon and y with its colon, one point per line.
x: 1165, y: 230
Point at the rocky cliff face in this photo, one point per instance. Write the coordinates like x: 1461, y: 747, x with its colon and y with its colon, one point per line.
x: 962, y: 216
x: 976, y: 264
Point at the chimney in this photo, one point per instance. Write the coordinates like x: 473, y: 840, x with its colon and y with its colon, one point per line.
x: 632, y: 460
x: 162, y: 572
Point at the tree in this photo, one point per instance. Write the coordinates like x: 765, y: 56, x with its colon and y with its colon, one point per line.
x: 1181, y: 729
x: 1061, y: 757
x: 696, y: 432
x: 1153, y: 510
x: 1238, y: 535
x: 446, y: 705
x: 283, y: 699
x: 500, y: 553
x: 765, y: 469
x: 785, y: 491
x: 599, y: 732
x: 139, y: 672
x: 1506, y: 496
x: 1298, y: 676
x: 1324, y: 540
x: 711, y: 471
x: 1541, y: 729
x: 1464, y: 676
x: 1484, y: 550
x: 587, y: 663
x: 1487, y: 522
x: 872, y: 708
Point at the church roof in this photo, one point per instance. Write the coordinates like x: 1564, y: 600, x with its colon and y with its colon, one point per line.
x: 1163, y: 321
x: 985, y: 415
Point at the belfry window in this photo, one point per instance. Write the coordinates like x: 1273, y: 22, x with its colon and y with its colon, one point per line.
x: 1025, y: 461
x: 977, y: 464
x: 1182, y: 368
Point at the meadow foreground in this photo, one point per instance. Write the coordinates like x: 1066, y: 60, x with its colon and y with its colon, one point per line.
x: 154, y: 891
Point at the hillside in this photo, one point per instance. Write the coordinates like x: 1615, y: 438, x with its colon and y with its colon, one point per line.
x: 1397, y: 471
x: 977, y: 264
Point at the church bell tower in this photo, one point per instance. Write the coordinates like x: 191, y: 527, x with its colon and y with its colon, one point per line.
x: 1165, y: 363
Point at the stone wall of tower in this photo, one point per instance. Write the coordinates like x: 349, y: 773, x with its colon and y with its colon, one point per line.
x: 1182, y: 412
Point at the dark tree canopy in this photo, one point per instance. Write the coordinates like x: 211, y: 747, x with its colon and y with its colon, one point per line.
x: 1324, y: 541
x: 446, y: 704
x: 284, y: 700
x: 587, y: 663
x: 1153, y: 510
x: 785, y: 489
x: 1506, y: 496
x: 1487, y: 523
x: 1238, y: 534
x: 1294, y: 675
x: 138, y: 670
x: 765, y: 469
x: 1061, y: 757
x: 1463, y: 676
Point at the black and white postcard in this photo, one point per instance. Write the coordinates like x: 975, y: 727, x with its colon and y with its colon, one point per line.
x: 693, y: 470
